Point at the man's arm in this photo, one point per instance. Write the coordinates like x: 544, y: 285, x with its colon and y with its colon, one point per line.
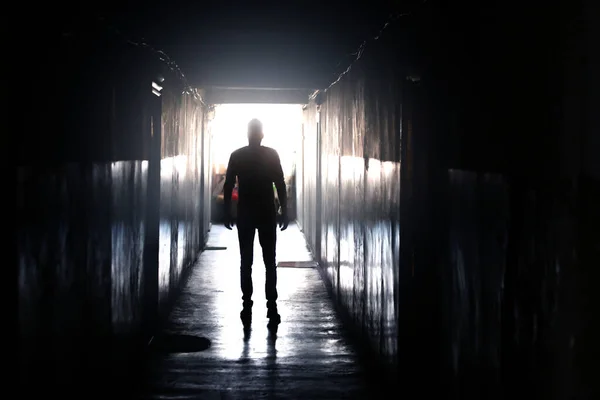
x: 280, y: 184
x: 229, y: 184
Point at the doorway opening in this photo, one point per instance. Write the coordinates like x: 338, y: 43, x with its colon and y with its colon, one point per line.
x: 282, y: 125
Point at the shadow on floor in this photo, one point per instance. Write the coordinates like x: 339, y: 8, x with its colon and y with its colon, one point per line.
x: 180, y: 344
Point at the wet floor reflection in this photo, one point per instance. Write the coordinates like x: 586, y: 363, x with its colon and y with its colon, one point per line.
x: 272, y: 367
x: 305, y: 351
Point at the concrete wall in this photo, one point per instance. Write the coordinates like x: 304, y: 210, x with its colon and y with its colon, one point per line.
x: 100, y: 210
x: 184, y: 188
x: 452, y: 213
x: 512, y: 104
x: 348, y: 198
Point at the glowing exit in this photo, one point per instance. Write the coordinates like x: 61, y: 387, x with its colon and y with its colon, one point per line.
x: 282, y: 125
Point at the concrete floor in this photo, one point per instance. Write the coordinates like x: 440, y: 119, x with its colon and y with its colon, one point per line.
x: 308, y: 357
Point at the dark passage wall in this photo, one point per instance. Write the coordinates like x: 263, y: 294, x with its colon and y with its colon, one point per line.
x: 349, y: 196
x: 184, y: 187
x: 111, y: 205
x: 446, y: 191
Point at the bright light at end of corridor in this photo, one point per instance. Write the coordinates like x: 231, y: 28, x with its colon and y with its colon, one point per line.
x: 282, y: 126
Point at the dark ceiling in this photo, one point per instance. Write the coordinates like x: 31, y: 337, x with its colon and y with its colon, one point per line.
x: 278, y: 44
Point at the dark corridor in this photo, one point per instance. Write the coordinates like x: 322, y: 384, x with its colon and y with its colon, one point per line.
x: 444, y: 193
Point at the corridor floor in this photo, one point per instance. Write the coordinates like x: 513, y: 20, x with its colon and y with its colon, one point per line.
x: 307, y: 358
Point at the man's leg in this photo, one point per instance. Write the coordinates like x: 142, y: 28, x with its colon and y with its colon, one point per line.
x: 267, y: 236
x: 246, y: 233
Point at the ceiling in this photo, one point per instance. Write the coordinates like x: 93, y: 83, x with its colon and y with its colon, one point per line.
x: 260, y: 44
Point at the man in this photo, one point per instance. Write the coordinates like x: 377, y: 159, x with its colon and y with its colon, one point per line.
x: 256, y: 167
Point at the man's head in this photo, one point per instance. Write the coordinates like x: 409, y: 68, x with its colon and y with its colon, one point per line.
x: 255, y: 132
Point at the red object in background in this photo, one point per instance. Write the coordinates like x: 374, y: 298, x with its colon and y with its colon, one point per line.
x: 234, y: 194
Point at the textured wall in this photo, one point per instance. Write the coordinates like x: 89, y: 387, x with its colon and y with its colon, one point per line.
x: 92, y: 208
x: 65, y: 262
x: 349, y: 197
x: 128, y: 191
x: 472, y: 279
x: 307, y: 186
x: 515, y: 291
x: 517, y: 265
x: 183, y: 179
x: 451, y: 214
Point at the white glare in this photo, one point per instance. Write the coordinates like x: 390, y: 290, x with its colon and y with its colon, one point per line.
x: 282, y: 126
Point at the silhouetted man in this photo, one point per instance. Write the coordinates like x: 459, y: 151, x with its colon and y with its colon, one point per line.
x: 256, y: 168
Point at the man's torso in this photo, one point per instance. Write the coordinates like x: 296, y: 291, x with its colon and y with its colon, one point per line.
x: 256, y: 169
